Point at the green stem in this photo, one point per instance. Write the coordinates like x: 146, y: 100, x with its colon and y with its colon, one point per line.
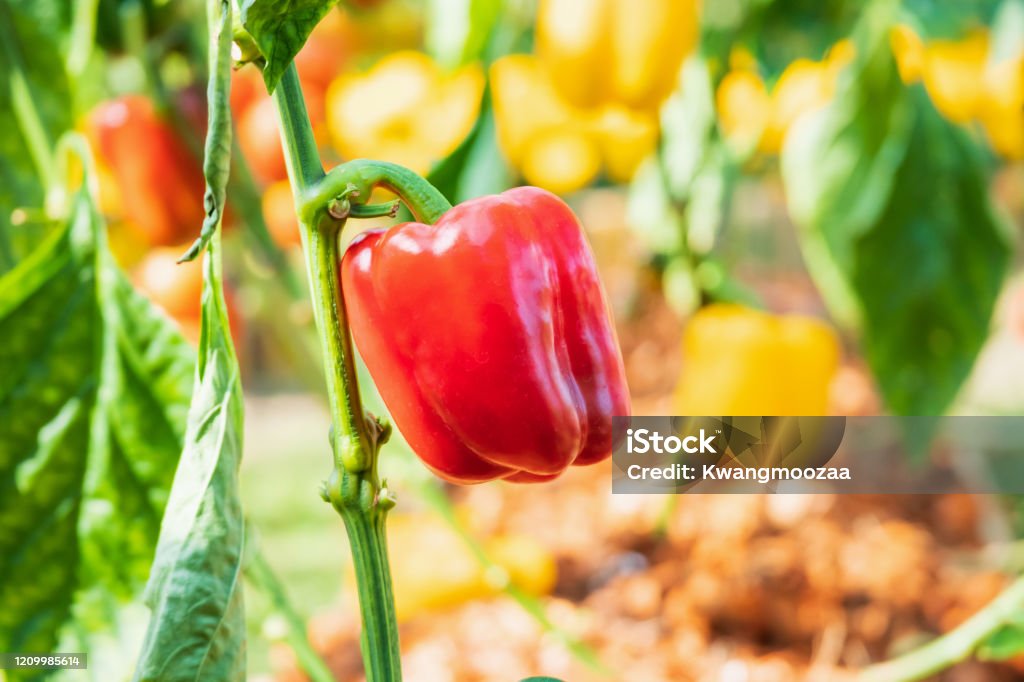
x: 357, y: 179
x: 302, y: 157
x: 353, y: 488
x: 262, y: 576
x: 353, y: 450
x: 83, y: 32
x: 954, y: 646
x: 379, y: 637
x: 131, y: 16
x: 434, y: 496
x: 29, y: 121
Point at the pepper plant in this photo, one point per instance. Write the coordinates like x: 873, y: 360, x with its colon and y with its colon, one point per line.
x: 556, y: 354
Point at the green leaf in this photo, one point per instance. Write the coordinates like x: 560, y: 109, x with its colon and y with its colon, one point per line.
x: 94, y: 385
x: 195, y: 590
x: 952, y: 19
x: 1003, y: 644
x: 897, y: 228
x: 280, y: 29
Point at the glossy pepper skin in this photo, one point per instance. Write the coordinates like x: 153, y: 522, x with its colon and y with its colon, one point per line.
x: 489, y: 337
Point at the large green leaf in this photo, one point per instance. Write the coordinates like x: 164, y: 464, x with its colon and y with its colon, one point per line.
x: 897, y: 227
x: 94, y: 387
x: 280, y: 29
x: 195, y: 592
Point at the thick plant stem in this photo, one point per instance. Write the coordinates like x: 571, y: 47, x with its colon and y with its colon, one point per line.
x: 379, y: 637
x: 354, y: 451
x: 954, y: 646
x: 300, y: 153
x: 353, y: 487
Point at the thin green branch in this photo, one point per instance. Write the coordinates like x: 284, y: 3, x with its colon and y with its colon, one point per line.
x: 29, y: 121
x: 131, y: 16
x: 262, y: 577
x: 354, y: 451
x: 956, y: 645
x: 83, y: 33
x: 433, y: 495
x: 357, y: 179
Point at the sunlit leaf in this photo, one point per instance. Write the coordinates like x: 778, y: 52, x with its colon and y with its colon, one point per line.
x: 94, y: 387
x: 280, y: 29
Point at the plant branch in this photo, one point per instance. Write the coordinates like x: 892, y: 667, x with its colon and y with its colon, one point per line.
x: 353, y: 488
x: 29, y: 121
x: 83, y: 32
x: 433, y: 495
x: 301, y: 155
x: 357, y: 179
x: 262, y: 576
x: 954, y: 646
x: 378, y: 638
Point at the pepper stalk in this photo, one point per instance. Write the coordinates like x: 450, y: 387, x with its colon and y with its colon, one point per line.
x: 324, y: 202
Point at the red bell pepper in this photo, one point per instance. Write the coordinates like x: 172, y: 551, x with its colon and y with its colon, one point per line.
x: 489, y: 337
x: 160, y: 181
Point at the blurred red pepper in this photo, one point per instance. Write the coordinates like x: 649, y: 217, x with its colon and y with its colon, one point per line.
x: 489, y: 337
x: 160, y: 181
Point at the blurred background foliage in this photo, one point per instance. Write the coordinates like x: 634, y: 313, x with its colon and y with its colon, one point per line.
x: 798, y: 206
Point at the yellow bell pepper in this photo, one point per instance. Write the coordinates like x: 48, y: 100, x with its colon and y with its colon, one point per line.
x: 625, y: 138
x: 744, y: 107
x: 525, y: 104
x: 804, y: 86
x: 743, y: 362
x: 555, y: 145
x: 909, y: 50
x: 750, y: 115
x: 1002, y: 111
x: 561, y: 160
x: 406, y: 109
x: 954, y: 76
x: 965, y: 85
x: 437, y: 569
x: 620, y: 51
